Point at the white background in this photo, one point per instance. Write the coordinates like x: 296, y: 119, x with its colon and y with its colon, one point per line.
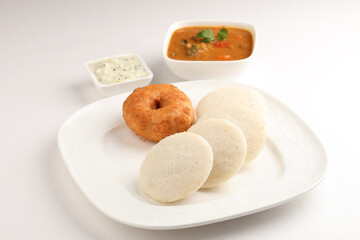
x: 307, y: 55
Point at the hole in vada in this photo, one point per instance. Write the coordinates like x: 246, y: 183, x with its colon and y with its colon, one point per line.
x: 157, y: 104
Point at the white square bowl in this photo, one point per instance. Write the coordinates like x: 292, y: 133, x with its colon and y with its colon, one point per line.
x: 199, y: 70
x: 118, y: 87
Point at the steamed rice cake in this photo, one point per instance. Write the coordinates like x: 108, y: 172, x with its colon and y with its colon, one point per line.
x: 228, y: 145
x: 233, y: 95
x: 249, y: 121
x: 176, y: 167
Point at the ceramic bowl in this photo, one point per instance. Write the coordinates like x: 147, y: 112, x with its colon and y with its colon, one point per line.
x: 197, y: 70
x: 118, y: 87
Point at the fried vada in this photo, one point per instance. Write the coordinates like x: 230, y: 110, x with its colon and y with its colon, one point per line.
x: 157, y: 111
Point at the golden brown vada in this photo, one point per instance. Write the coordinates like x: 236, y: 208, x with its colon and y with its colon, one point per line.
x: 157, y: 111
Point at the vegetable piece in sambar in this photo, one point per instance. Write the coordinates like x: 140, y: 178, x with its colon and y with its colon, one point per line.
x: 210, y: 44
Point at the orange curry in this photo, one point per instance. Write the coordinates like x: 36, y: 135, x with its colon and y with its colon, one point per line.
x: 210, y: 44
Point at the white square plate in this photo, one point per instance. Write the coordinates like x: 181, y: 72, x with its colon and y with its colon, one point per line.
x: 104, y: 157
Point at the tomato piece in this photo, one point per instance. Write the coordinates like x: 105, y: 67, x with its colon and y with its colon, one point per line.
x: 221, y: 44
x: 223, y: 57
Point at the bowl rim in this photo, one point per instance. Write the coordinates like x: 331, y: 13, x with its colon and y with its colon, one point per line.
x: 206, y: 22
x: 99, y: 84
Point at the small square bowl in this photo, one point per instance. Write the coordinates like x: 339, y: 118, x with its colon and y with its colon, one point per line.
x: 200, y: 70
x: 118, y: 87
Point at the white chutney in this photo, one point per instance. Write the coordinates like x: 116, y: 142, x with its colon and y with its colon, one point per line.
x: 120, y: 69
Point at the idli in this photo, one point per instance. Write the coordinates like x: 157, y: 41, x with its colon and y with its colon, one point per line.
x: 251, y: 123
x: 237, y: 95
x: 176, y: 167
x: 228, y: 145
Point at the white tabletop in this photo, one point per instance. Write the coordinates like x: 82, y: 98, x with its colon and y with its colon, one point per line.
x: 306, y: 55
